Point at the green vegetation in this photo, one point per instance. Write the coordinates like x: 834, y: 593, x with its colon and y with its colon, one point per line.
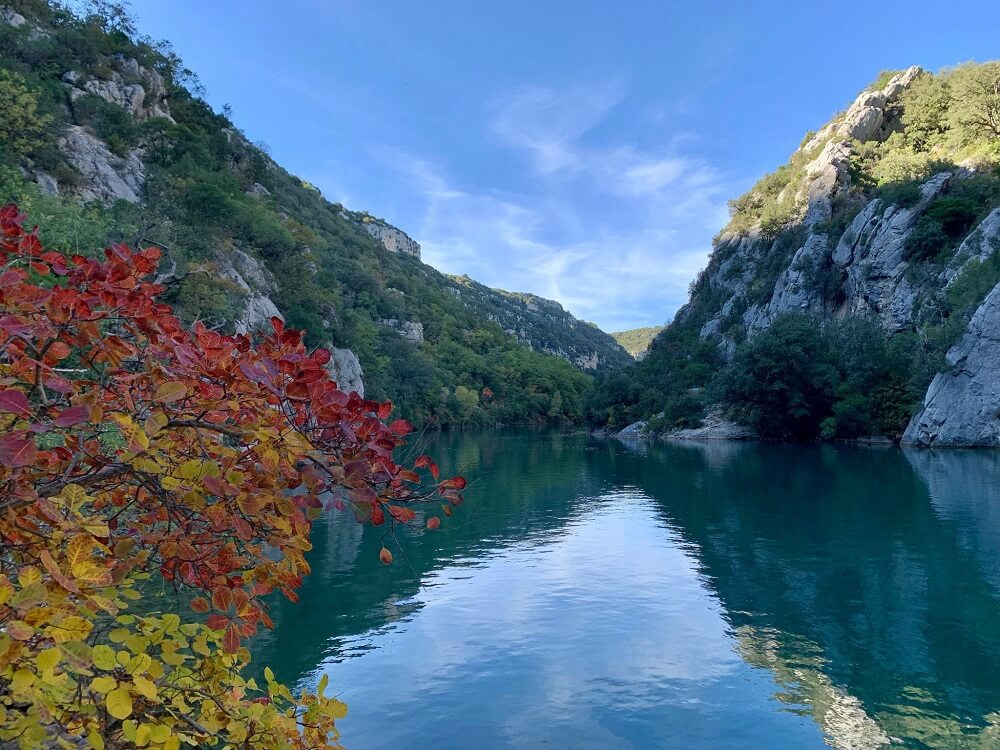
x: 637, y: 340
x: 201, y: 200
x: 803, y: 378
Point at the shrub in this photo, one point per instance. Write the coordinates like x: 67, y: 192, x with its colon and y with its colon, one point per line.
x: 21, y: 123
x: 185, y: 455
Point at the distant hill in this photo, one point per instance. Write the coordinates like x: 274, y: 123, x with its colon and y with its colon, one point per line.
x: 637, y: 340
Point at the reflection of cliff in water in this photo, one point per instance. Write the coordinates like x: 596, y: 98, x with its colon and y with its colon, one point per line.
x: 843, y: 548
x: 964, y: 487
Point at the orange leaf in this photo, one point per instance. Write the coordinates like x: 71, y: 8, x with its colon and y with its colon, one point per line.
x: 171, y: 391
x: 385, y: 556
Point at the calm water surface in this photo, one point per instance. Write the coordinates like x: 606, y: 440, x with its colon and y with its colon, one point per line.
x: 592, y: 594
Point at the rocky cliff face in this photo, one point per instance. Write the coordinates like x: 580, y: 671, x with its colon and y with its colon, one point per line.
x: 962, y: 406
x: 826, y: 243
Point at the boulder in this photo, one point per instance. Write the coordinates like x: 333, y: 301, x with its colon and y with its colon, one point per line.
x: 714, y: 427
x: 634, y: 431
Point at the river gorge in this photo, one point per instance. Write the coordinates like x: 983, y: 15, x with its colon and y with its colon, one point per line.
x: 597, y: 593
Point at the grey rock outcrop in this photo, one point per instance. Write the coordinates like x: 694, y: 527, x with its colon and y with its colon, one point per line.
x: 392, y: 239
x: 138, y: 90
x: 714, y: 427
x: 107, y: 176
x: 408, y: 329
x: 871, y: 252
x: 11, y: 17
x: 634, y: 431
x: 981, y: 243
x: 345, y: 370
x: 962, y: 405
x: 250, y: 275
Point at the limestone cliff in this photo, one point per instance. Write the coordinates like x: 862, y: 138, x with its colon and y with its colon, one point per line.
x: 867, y: 219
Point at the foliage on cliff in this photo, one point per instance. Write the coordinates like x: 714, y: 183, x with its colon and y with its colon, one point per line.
x: 137, y: 454
x: 207, y: 190
x: 926, y: 182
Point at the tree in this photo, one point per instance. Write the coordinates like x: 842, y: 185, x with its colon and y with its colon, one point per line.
x: 783, y: 381
x: 975, y: 93
x: 132, y: 447
x: 21, y: 124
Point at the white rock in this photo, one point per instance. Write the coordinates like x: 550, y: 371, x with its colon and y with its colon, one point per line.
x: 962, y: 405
x: 108, y: 177
x: 345, y: 370
x: 394, y: 240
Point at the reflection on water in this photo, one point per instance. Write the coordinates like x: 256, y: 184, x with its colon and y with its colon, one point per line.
x: 717, y: 595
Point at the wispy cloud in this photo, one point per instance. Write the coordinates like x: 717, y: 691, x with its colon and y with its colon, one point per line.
x: 613, y: 232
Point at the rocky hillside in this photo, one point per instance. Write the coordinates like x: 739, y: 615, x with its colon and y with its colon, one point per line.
x: 889, y: 214
x: 543, y: 325
x: 104, y: 138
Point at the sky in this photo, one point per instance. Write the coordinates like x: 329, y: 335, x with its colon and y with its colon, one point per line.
x: 583, y: 151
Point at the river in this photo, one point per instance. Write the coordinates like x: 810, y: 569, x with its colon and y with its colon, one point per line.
x: 596, y: 594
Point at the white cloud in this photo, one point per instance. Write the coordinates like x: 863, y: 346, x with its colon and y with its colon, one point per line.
x: 548, y: 123
x: 613, y: 233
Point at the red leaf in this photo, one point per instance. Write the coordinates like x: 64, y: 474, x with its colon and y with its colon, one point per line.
x: 217, y: 622
x: 435, y: 471
x: 18, y: 449
x: 433, y: 522
x: 200, y: 604
x: 401, y: 427
x: 231, y: 640
x: 385, y: 409
x: 14, y: 402
x: 221, y: 599
x: 71, y: 416
x: 401, y: 514
x: 385, y: 556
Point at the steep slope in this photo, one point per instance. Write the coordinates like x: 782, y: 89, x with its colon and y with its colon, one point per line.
x: 105, y: 139
x: 889, y: 213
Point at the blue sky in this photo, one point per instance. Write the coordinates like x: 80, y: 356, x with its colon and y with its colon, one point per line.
x: 582, y: 151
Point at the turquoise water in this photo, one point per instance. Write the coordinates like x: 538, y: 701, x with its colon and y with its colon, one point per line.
x: 592, y: 594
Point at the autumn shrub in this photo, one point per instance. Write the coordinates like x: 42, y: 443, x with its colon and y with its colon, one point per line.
x: 132, y: 447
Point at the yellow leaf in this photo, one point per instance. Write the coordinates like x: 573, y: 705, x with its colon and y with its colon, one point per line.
x: 134, y: 435
x: 95, y: 739
x: 48, y: 659
x: 75, y: 495
x: 79, y: 549
x: 142, y: 735
x: 70, y: 628
x: 104, y: 657
x: 119, y: 703
x: 159, y: 733
x: 103, y: 684
x: 191, y: 469
x: 22, y: 680
x: 173, y: 742
x: 171, y: 391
